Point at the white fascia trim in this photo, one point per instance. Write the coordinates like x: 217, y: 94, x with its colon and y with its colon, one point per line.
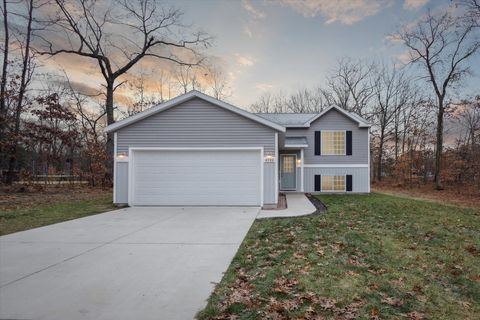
x: 114, y: 166
x: 344, y: 112
x: 277, y: 161
x: 302, y: 170
x: 262, y: 176
x: 336, y: 165
x: 296, y: 146
x: 177, y: 100
x: 131, y: 156
x: 369, y: 178
x: 192, y: 148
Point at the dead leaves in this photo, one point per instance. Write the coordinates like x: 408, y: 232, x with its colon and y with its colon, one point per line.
x: 284, y: 285
x: 391, y: 301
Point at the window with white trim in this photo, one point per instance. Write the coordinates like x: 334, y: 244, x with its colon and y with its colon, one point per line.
x: 333, y: 183
x: 333, y: 143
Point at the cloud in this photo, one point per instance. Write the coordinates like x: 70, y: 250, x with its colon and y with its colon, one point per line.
x: 245, y: 61
x: 264, y: 86
x: 254, y: 12
x: 404, y: 57
x: 414, y: 4
x: 395, y: 38
x: 344, y: 11
x: 248, y: 32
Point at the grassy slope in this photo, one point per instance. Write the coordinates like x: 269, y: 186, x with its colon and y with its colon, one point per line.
x: 28, y: 218
x: 369, y: 256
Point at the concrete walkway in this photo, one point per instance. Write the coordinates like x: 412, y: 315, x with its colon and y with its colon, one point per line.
x: 134, y: 263
x: 297, y: 205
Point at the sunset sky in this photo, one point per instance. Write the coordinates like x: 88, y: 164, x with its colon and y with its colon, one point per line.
x: 285, y: 45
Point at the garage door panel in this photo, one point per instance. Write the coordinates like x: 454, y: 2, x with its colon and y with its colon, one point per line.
x: 196, y: 177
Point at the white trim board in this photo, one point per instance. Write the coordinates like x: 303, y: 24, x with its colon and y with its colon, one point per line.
x: 131, y: 155
x: 185, y: 97
x: 296, y: 146
x: 336, y: 165
x: 114, y: 167
x: 277, y: 167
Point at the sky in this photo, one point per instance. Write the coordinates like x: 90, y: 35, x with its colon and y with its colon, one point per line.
x: 285, y: 45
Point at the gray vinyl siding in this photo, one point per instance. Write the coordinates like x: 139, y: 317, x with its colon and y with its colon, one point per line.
x: 334, y: 120
x: 361, y: 180
x: 195, y: 123
x: 121, y: 183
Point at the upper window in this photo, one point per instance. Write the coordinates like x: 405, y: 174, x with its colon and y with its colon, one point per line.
x: 333, y: 143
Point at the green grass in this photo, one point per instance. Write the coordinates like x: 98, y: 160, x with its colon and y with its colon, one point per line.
x: 24, y: 219
x: 369, y: 256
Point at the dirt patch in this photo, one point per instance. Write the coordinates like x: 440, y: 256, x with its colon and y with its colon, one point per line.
x: 14, y: 198
x: 463, y: 196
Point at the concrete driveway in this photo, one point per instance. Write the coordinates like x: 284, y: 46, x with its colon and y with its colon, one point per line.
x: 135, y: 263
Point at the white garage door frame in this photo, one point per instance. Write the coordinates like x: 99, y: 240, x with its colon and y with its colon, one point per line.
x: 131, y: 161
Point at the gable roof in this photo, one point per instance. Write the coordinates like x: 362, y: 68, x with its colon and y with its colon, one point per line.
x: 362, y: 123
x: 185, y: 97
x: 303, y: 120
x: 288, y: 119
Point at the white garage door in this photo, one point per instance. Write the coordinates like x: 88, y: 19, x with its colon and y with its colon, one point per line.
x: 196, y: 177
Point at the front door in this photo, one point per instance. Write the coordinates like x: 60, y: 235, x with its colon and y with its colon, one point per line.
x: 287, y: 172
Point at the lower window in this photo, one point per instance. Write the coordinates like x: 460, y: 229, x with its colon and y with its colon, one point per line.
x: 333, y: 183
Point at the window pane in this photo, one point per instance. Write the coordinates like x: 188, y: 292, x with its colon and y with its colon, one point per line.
x: 339, y: 183
x: 333, y: 183
x: 327, y: 183
x: 333, y: 142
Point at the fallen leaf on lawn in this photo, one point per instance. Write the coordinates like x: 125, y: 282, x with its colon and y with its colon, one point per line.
x: 415, y: 315
x: 299, y: 255
x: 392, y: 301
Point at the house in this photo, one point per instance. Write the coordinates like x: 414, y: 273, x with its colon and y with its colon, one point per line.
x: 197, y: 150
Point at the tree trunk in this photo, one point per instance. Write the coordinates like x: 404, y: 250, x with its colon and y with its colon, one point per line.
x: 379, y: 157
x: 110, y: 120
x: 21, y: 95
x: 3, y: 84
x: 439, y: 147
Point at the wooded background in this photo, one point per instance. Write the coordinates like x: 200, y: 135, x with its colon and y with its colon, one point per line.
x: 424, y: 128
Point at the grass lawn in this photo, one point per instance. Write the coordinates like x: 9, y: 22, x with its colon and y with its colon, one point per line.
x: 369, y: 256
x: 31, y: 217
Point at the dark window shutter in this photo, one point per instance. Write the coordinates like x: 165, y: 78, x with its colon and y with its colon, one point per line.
x: 318, y: 179
x: 349, y: 143
x: 349, y: 182
x: 317, y: 143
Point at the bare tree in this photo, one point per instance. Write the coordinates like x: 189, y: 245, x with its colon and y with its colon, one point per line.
x: 120, y: 36
x: 349, y: 85
x: 218, y: 82
x: 472, y: 8
x: 469, y: 119
x: 441, y: 44
x: 391, y: 92
x: 26, y: 71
